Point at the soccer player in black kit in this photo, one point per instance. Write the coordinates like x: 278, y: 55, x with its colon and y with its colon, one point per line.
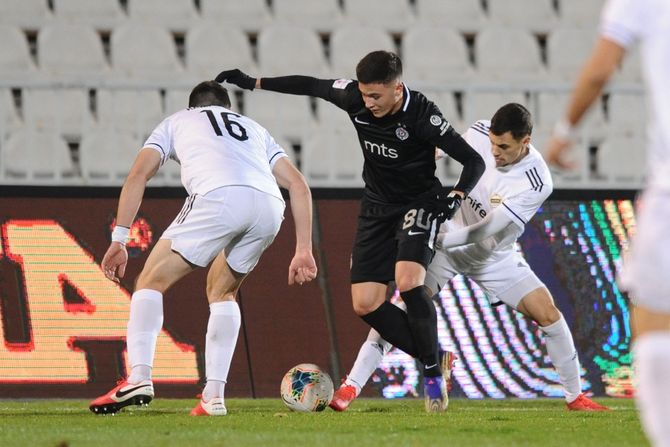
x: 403, y: 203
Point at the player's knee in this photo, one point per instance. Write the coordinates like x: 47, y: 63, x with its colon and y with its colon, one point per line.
x: 407, y: 283
x: 146, y: 280
x: 548, y: 315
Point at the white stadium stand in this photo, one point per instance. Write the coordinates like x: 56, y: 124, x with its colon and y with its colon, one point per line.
x: 144, y: 52
x: 322, y: 15
x: 15, y: 61
x: 250, y: 15
x: 210, y: 47
x: 284, y: 50
x: 37, y: 157
x: 134, y: 111
x: 508, y: 55
x: 65, y: 111
x: 435, y: 54
x: 350, y: 43
x: 580, y: 13
x: 106, y: 155
x: 464, y: 15
x: 101, y: 14
x: 567, y: 49
x: 9, y: 119
x: 27, y: 14
x: 71, y: 50
x: 622, y: 159
x: 173, y: 14
x: 393, y: 15
x: 535, y: 15
x: 627, y: 114
x: 332, y: 157
x: 285, y: 116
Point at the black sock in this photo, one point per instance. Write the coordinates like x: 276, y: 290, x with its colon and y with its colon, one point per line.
x: 392, y: 324
x: 422, y: 320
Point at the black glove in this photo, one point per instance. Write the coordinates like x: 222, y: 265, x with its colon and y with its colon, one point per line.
x: 447, y: 206
x: 238, y: 78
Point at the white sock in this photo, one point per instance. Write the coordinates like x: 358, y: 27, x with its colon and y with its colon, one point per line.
x: 651, y: 359
x: 369, y: 356
x: 144, y: 324
x: 222, y: 330
x: 563, y: 355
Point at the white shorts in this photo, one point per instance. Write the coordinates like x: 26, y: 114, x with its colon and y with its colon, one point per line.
x: 647, y: 264
x: 238, y: 220
x: 507, y: 280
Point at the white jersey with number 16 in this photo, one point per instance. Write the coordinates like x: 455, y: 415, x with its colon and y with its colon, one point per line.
x: 217, y: 147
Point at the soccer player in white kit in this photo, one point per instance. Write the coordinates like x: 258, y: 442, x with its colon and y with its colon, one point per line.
x: 230, y: 166
x: 646, y: 266
x: 479, y: 242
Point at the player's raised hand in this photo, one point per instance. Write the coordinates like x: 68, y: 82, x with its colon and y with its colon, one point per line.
x: 236, y: 77
x: 302, y: 268
x: 114, y: 262
x: 556, y: 151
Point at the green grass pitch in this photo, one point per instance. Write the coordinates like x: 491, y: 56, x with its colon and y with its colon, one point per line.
x: 368, y: 422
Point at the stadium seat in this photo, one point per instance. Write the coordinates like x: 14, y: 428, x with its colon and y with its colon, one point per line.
x: 174, y: 14
x: 134, y: 111
x: 481, y: 105
x: 65, y: 111
x: 536, y: 16
x: 436, y: 55
x: 622, y: 159
x: 331, y: 157
x: 101, y: 14
x: 627, y: 113
x: 285, y: 116
x: 230, y: 45
x: 350, y: 43
x: 580, y: 13
x: 27, y: 14
x: 331, y: 116
x: 464, y: 15
x: 9, y: 119
x: 31, y: 156
x: 72, y: 51
x: 106, y: 155
x: 15, y: 61
x: 250, y: 15
x: 392, y: 15
x: 551, y: 107
x: 145, y: 52
x: 446, y: 102
x: 508, y: 55
x: 567, y: 49
x: 322, y: 16
x: 285, y: 50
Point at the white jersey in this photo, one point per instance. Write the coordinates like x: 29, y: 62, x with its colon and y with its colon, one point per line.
x: 518, y: 190
x: 217, y: 147
x: 648, y: 21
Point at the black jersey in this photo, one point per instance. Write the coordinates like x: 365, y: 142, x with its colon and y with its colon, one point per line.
x: 399, y: 148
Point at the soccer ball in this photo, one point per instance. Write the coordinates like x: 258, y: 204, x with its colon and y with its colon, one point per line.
x: 306, y: 387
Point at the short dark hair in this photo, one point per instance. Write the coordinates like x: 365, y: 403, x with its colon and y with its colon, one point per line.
x: 513, y: 118
x: 379, y: 67
x: 209, y: 93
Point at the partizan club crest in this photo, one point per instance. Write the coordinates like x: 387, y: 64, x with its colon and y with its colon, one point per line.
x: 401, y: 133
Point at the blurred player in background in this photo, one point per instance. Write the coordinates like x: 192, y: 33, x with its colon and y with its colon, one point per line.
x: 398, y: 130
x: 479, y: 242
x: 646, y: 266
x: 230, y: 166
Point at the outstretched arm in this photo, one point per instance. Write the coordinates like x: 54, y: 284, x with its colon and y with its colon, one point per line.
x: 494, y: 222
x: 597, y: 71
x: 302, y: 267
x: 145, y: 166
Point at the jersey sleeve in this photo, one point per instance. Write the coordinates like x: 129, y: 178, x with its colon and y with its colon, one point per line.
x: 523, y: 206
x: 273, y: 150
x: 161, y: 140
x: 624, y: 21
x: 341, y: 92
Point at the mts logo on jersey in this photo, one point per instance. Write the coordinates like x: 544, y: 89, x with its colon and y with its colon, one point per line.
x: 380, y: 149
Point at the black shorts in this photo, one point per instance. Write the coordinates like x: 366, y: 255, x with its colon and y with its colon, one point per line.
x: 390, y: 233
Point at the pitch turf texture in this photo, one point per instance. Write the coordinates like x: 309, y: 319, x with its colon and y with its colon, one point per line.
x: 369, y: 422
